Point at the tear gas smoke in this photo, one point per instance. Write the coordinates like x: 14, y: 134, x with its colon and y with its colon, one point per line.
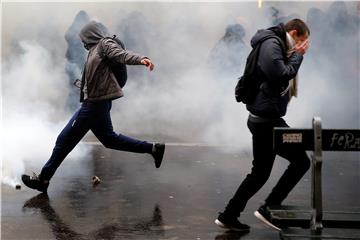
x: 183, y: 99
x: 33, y: 110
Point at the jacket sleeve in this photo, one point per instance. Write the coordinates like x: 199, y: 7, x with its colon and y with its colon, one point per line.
x: 115, y: 52
x: 273, y: 63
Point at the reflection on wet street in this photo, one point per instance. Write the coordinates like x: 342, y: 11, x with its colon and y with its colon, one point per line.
x: 136, y: 201
x: 154, y: 226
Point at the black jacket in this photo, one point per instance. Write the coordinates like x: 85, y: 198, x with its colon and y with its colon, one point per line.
x: 274, y: 70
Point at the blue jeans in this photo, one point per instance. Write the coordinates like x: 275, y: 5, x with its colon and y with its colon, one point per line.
x: 94, y: 116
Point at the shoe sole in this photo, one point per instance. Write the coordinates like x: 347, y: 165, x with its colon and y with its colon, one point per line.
x: 264, y: 220
x: 220, y: 224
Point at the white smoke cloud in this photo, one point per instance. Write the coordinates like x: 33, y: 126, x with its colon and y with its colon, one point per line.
x: 34, y: 92
x: 181, y: 100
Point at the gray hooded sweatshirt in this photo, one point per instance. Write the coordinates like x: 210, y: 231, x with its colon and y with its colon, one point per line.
x: 98, y: 80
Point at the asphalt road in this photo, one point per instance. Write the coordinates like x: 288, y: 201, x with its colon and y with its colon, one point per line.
x: 178, y: 201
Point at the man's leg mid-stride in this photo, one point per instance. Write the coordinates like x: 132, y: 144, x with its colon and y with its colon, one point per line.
x: 260, y: 172
x: 299, y: 164
x: 69, y: 137
x: 103, y: 130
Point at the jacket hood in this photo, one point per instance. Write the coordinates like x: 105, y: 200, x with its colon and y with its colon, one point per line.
x: 278, y: 30
x: 235, y: 30
x: 92, y: 33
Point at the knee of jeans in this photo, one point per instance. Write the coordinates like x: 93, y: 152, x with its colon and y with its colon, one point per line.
x: 260, y: 175
x: 108, y: 141
x: 59, y: 144
x: 59, y: 140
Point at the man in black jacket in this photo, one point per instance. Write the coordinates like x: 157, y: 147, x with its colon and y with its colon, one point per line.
x: 277, y: 66
x: 99, y: 86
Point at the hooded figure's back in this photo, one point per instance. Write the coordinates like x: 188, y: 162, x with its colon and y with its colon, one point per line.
x: 229, y: 54
x: 75, y: 55
x: 75, y: 52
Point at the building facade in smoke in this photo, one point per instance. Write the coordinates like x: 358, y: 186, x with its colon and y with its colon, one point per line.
x: 228, y: 57
x: 75, y: 56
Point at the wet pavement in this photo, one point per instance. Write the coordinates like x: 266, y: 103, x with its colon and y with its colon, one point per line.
x: 178, y: 201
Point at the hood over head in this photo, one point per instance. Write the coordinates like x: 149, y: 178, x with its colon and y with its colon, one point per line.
x: 235, y: 30
x: 278, y: 30
x: 92, y: 33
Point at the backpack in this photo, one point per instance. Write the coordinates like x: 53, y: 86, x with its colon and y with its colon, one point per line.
x: 248, y: 85
x: 118, y: 69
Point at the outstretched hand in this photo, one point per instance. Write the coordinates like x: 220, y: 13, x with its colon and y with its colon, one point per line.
x: 147, y: 62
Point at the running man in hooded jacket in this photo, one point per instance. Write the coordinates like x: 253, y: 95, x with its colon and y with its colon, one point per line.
x: 99, y: 87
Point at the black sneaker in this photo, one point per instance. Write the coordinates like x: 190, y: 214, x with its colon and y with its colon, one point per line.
x: 158, y: 153
x: 231, y: 223
x: 34, y: 182
x: 263, y: 215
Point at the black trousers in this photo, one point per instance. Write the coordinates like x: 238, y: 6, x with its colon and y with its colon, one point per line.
x: 264, y: 156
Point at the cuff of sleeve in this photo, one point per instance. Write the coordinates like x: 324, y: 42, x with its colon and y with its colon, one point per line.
x: 142, y: 57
